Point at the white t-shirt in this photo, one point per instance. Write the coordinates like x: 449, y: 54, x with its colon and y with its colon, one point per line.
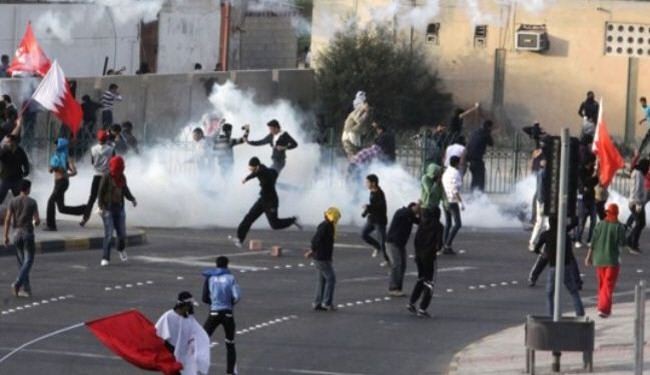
x: 101, y: 155
x: 452, y: 182
x: 191, y: 342
x: 454, y: 150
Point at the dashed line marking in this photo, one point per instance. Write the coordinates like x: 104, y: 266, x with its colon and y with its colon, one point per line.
x: 125, y: 286
x: 35, y: 304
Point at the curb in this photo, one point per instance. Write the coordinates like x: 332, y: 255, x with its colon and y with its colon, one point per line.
x: 79, y: 244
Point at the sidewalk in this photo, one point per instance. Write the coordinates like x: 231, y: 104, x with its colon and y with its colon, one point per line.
x: 504, y: 353
x: 72, y: 237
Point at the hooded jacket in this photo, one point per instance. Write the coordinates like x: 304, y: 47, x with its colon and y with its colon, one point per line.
x: 220, y: 289
x: 432, y: 191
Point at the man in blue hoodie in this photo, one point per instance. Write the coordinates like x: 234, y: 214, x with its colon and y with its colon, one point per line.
x: 221, y: 292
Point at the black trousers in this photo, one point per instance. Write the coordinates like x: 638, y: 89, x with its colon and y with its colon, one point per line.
x: 477, y: 168
x: 58, y: 198
x: 644, y: 142
x: 94, y: 189
x: 7, y: 184
x: 227, y: 319
x: 270, y: 209
x: 424, y: 286
x: 638, y: 217
x: 542, y: 262
x: 600, y: 209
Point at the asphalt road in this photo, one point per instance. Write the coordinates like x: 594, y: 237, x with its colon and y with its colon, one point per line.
x: 478, y: 292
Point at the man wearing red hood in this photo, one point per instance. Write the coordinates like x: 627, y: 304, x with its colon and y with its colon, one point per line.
x: 100, y: 155
x: 604, y: 254
x: 112, y: 191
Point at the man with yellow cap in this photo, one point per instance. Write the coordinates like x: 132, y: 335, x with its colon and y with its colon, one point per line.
x: 322, y: 247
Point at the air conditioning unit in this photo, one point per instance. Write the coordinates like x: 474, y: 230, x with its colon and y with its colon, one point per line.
x: 532, y: 38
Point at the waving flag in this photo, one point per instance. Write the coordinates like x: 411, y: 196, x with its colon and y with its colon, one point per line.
x: 609, y: 159
x: 54, y: 94
x: 133, y: 337
x: 29, y: 58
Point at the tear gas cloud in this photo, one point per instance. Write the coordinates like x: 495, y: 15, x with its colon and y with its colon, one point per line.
x: 173, y: 191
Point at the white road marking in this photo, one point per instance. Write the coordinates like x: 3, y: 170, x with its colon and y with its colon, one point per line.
x: 41, y: 338
x: 376, y: 278
x: 190, y: 262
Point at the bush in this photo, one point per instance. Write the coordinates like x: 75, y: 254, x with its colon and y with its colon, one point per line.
x: 402, y: 91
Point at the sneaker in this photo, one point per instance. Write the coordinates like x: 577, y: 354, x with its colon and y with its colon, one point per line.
x: 296, y: 222
x: 319, y: 308
x: 603, y: 315
x: 423, y: 313
x: 448, y: 251
x: 578, y: 245
x: 531, y: 283
x: 633, y: 251
x: 235, y: 241
x: 330, y: 308
x: 375, y: 253
x: 14, y: 290
x: 411, y: 308
x: 396, y: 293
x: 531, y: 247
x: 383, y: 264
x: 24, y: 294
x: 104, y: 263
x: 123, y: 256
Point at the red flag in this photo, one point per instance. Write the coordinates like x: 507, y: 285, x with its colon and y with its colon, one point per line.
x: 29, y: 57
x: 133, y: 337
x: 609, y: 159
x: 54, y: 94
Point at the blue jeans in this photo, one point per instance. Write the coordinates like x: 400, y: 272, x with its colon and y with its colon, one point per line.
x: 326, y: 282
x: 570, y: 282
x: 381, y: 233
x: 452, y: 212
x: 114, y: 219
x: 24, y: 243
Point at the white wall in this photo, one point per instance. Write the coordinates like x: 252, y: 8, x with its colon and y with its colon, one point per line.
x: 91, y: 32
x: 189, y: 33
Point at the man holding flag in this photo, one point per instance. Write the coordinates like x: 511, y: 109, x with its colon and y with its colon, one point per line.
x: 608, y: 156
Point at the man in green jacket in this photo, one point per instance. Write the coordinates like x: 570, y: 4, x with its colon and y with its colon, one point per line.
x: 604, y: 253
x: 432, y: 191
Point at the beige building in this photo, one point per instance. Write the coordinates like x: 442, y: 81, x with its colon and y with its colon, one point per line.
x: 496, y: 54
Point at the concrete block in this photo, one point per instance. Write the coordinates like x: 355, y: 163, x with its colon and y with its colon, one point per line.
x: 276, y: 251
x: 255, y: 245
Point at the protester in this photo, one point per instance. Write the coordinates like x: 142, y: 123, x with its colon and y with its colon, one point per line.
x: 432, y: 191
x: 109, y: 98
x: 435, y: 144
x: 117, y: 141
x: 589, y: 108
x: 604, y: 254
x: 452, y: 182
x: 100, y: 155
x: 601, y: 195
x: 22, y: 215
x: 11, y: 121
x: 457, y: 149
x: 361, y: 160
x: 427, y: 242
x: 128, y: 137
x: 89, y: 109
x: 587, y: 181
x: 185, y: 337
x: 198, y: 67
x: 571, y: 276
x: 267, y: 203
x: 202, y: 151
x: 376, y: 219
x: 397, y: 238
x: 637, y: 201
x: 221, y: 292
x: 14, y: 166
x: 386, y: 142
x: 456, y: 122
x: 63, y: 167
x: 478, y: 143
x: 322, y: 249
x: 646, y: 120
x: 536, y: 158
x: 280, y: 142
x: 4, y: 66
x: 223, y: 147
x: 541, y: 221
x: 354, y: 128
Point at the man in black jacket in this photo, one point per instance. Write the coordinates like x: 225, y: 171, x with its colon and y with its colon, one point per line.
x: 322, y: 247
x: 478, y: 143
x: 280, y: 142
x: 386, y: 142
x: 376, y: 219
x: 15, y: 166
x: 589, y: 108
x: 267, y: 203
x: 398, y: 236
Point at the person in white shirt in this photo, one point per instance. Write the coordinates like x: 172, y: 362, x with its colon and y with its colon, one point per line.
x: 100, y: 155
x: 452, y: 181
x: 185, y: 337
x: 457, y: 149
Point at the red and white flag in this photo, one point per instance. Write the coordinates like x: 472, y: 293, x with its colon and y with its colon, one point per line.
x: 29, y: 58
x: 54, y: 94
x: 609, y: 159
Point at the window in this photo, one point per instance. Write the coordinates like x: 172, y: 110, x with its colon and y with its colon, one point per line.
x: 480, y: 36
x: 433, y: 31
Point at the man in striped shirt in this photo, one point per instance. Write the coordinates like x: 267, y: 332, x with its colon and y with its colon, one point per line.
x: 108, y: 100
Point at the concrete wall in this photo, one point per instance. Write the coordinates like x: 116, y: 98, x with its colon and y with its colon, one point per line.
x: 189, y: 34
x: 268, y: 41
x: 79, y: 36
x: 546, y: 87
x: 160, y: 105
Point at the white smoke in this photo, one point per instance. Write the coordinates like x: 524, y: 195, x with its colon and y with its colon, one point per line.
x: 405, y: 15
x: 480, y: 16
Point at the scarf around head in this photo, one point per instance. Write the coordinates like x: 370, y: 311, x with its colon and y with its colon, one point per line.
x: 333, y: 215
x: 611, y: 214
x: 116, y: 170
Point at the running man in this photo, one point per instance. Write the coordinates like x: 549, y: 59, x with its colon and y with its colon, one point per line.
x: 280, y: 142
x: 376, y: 218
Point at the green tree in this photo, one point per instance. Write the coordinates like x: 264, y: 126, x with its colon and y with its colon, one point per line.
x: 403, y: 92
